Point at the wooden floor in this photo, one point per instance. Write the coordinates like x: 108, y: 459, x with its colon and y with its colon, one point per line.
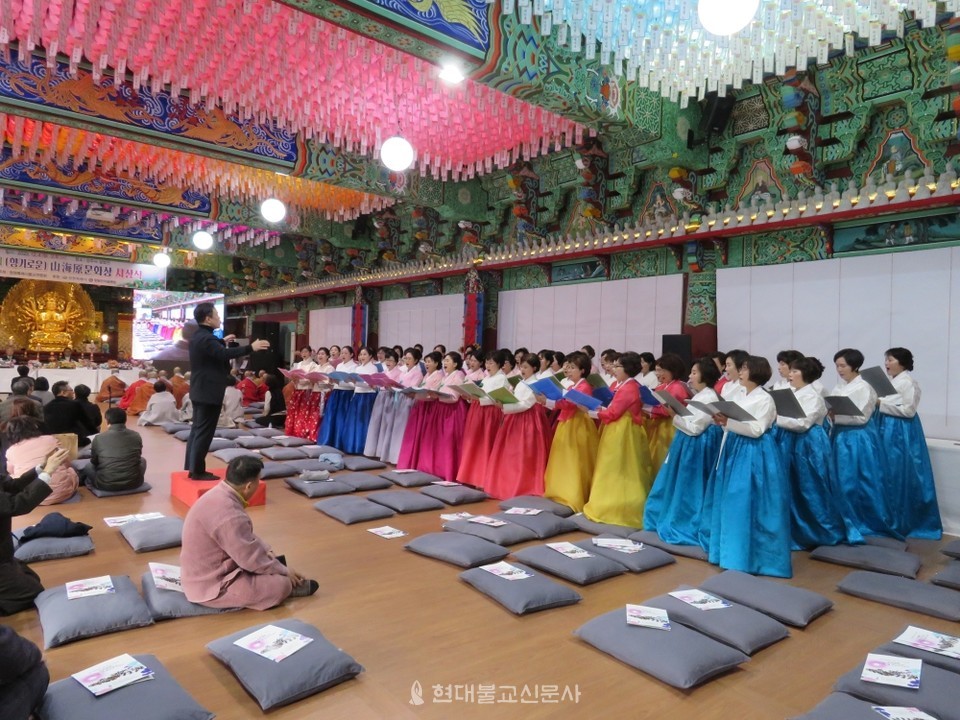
x: 409, y: 619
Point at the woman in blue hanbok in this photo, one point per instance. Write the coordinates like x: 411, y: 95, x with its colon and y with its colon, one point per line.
x: 338, y: 402
x: 352, y: 432
x: 909, y: 474
x: 816, y: 510
x: 675, y: 502
x: 749, y: 523
x: 856, y: 451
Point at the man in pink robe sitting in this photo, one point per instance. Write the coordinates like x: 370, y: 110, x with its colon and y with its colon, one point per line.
x: 222, y: 563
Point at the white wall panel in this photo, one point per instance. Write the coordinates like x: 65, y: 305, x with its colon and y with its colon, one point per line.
x: 614, y: 315
x: 669, y: 309
x: 870, y: 303
x: 430, y: 321
x: 586, y: 328
x: 329, y: 327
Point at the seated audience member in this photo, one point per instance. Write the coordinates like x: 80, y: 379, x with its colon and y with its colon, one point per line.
x: 64, y: 414
x: 19, y: 585
x: 132, y: 390
x: 112, y: 389
x: 249, y: 388
x: 91, y: 410
x: 223, y: 564
x: 41, y: 391
x: 274, y: 405
x: 186, y: 409
x: 143, y: 394
x: 181, y: 385
x: 23, y: 372
x: 20, y: 389
x: 28, y: 447
x: 231, y: 414
x: 161, y: 407
x: 116, y: 457
x: 23, y: 675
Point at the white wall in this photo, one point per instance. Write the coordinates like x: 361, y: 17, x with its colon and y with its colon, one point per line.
x: 329, y: 327
x: 622, y: 314
x: 430, y: 321
x: 870, y: 303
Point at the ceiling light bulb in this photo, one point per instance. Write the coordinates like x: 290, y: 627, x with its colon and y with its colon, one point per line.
x: 396, y: 153
x: 273, y: 210
x: 202, y: 240
x: 451, y: 73
x: 726, y: 17
x: 161, y: 260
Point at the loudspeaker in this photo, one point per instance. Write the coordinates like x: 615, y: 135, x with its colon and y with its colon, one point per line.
x: 267, y: 331
x: 681, y: 345
x: 716, y: 114
x: 265, y: 359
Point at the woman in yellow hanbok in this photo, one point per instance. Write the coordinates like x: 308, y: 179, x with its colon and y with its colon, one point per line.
x: 624, y: 471
x: 670, y: 368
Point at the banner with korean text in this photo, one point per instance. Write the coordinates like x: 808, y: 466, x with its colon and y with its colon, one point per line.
x: 80, y: 269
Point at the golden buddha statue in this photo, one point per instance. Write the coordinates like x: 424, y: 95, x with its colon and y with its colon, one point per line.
x: 49, y: 316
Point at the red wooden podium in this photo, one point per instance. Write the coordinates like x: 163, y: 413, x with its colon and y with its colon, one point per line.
x: 188, y: 491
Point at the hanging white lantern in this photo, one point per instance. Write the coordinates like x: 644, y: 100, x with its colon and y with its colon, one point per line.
x: 726, y: 17
x: 397, y: 153
x: 202, y: 240
x: 161, y: 260
x: 273, y: 210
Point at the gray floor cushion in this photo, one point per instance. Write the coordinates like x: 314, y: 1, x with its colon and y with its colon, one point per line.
x: 283, y: 453
x: 65, y: 621
x: 408, y: 478
x: 870, y: 557
x: 949, y: 576
x: 646, y: 559
x: 937, y: 694
x: 287, y: 441
x: 329, y: 449
x: 545, y: 525
x: 349, y: 510
x: 358, y: 462
x: 230, y: 453
x: 791, y: 605
x: 582, y: 571
x: 144, y: 488
x: 738, y: 626
x: 596, y: 528
x: 941, y: 661
x: 315, y: 451
x: 221, y: 444
x: 680, y: 657
x: 886, y: 542
x: 174, y: 427
x: 273, y: 470
x: 904, y: 593
x: 363, y: 481
x: 318, y: 488
x: 255, y: 443
x: 182, y: 435
x: 952, y: 549
x: 170, y: 604
x: 309, y: 464
x: 161, y: 698
x: 405, y: 501
x: 648, y: 537
x: 464, y: 550
x: 508, y: 534
x: 520, y: 597
x: 538, y: 503
x: 267, y: 432
x: 51, y: 548
x: 840, y: 706
x: 155, y: 534
x: 313, y: 668
x: 454, y: 495
x: 230, y: 433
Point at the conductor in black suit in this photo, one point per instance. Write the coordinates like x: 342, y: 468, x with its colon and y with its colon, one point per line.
x: 209, y: 370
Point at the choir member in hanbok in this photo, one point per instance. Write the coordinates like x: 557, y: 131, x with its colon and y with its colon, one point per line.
x: 335, y: 352
x: 749, y: 521
x: 338, y: 402
x: 394, y: 424
x: 732, y: 361
x: 352, y: 434
x: 298, y: 407
x: 522, y: 446
x: 510, y: 365
x: 675, y: 505
x: 313, y: 410
x: 607, y: 359
x: 573, y: 452
x: 670, y: 372
x: 910, y: 476
x: 382, y: 418
x: 857, y: 452
x: 623, y: 474
x: 785, y: 358
x: 444, y: 422
x: 483, y: 422
x: 473, y: 366
x: 413, y: 433
x: 648, y: 371
x: 816, y: 509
